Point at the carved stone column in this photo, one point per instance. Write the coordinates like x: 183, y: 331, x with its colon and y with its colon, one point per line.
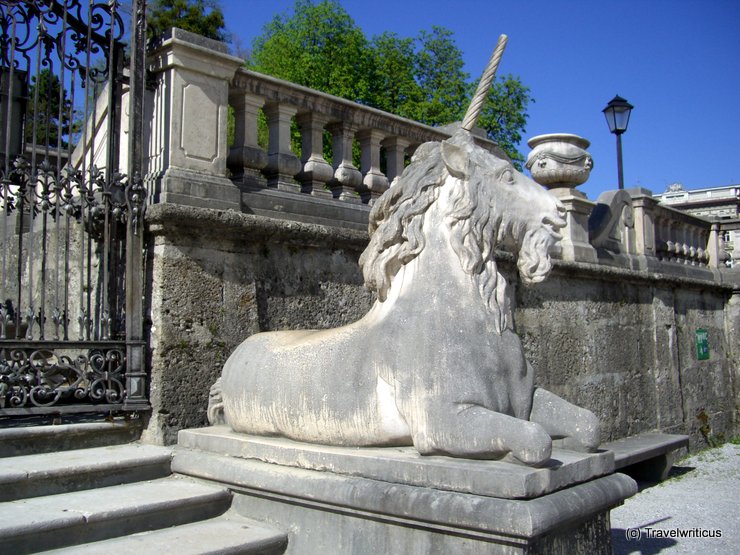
x: 246, y: 159
x: 575, y: 243
x: 282, y: 164
x: 316, y: 171
x: 716, y: 258
x: 395, y: 151
x: 375, y: 183
x: 644, y: 205
x: 347, y: 178
x: 187, y: 146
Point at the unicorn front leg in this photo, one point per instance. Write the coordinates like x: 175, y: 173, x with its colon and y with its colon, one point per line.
x: 579, y: 427
x: 473, y: 431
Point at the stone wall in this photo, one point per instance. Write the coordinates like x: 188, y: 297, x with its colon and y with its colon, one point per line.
x: 218, y: 277
x: 617, y: 341
x: 623, y: 344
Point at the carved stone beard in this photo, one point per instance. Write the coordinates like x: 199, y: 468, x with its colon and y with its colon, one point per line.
x: 534, y: 261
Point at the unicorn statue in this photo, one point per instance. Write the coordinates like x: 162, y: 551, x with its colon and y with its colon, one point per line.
x: 436, y: 362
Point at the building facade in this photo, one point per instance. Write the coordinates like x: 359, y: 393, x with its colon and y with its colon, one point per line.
x: 715, y: 203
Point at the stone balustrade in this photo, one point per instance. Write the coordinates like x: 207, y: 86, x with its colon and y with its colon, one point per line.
x: 631, y: 228
x: 682, y: 238
x: 628, y: 228
x: 647, y: 230
x: 316, y: 113
x: 190, y: 162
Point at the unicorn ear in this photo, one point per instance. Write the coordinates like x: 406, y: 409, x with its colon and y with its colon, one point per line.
x: 456, y: 160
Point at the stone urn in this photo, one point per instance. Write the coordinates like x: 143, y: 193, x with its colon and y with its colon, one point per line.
x: 559, y: 160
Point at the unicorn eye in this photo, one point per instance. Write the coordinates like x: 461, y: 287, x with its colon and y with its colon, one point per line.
x: 508, y: 176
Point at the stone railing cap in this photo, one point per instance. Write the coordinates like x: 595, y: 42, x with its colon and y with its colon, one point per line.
x: 639, y: 192
x: 193, y: 38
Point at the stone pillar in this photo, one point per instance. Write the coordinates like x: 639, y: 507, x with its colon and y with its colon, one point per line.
x: 374, y: 181
x: 644, y: 207
x: 282, y: 164
x: 575, y: 244
x: 713, y: 246
x: 187, y: 146
x: 347, y: 178
x: 316, y: 171
x: 246, y: 158
x: 395, y: 151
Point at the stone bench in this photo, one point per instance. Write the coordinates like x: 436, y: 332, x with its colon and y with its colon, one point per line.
x: 648, y: 456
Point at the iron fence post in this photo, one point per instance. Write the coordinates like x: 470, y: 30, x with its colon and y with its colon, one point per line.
x: 136, y: 397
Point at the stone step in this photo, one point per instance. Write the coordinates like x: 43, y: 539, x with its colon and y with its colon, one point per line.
x: 53, y: 473
x: 225, y: 535
x: 55, y: 521
x: 28, y: 440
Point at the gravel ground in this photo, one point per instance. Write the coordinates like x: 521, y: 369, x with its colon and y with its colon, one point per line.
x: 700, y: 498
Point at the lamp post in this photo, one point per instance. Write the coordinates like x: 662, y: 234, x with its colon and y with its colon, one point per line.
x: 617, y: 114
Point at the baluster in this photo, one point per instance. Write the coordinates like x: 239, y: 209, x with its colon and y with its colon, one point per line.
x: 347, y: 178
x: 692, y: 243
x: 316, y: 171
x: 282, y: 164
x: 714, y: 247
x: 374, y: 182
x: 246, y: 159
x: 685, y: 238
x: 395, y: 151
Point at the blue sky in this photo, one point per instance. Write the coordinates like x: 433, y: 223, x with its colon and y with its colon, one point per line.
x: 676, y: 61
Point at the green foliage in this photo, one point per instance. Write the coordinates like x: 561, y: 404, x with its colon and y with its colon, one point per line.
x: 713, y: 439
x: 43, y: 123
x: 393, y: 87
x: 320, y: 46
x: 198, y: 16
x: 439, y: 72
x: 504, y: 115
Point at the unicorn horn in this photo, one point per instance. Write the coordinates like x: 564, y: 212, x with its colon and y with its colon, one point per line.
x: 481, y: 93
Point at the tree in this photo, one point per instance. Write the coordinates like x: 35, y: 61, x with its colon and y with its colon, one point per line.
x: 504, y: 115
x: 45, y: 123
x: 198, y: 16
x: 439, y: 71
x: 320, y: 46
x: 393, y: 86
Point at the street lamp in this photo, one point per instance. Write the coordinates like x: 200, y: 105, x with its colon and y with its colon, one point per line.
x: 617, y: 114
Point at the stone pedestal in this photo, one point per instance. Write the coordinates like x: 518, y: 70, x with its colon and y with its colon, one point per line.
x: 392, y: 500
x: 575, y: 242
x: 186, y: 161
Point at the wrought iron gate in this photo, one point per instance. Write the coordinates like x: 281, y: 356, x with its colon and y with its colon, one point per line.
x: 71, y: 332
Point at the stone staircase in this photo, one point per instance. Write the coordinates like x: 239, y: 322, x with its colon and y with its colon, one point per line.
x: 91, y: 488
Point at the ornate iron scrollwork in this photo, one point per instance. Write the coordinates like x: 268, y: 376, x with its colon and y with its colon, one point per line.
x: 44, y: 377
x: 67, y: 27
x: 63, y: 229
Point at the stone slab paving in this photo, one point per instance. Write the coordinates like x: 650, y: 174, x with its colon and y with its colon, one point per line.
x: 699, y: 499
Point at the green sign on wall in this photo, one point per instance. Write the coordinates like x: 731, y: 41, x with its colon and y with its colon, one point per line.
x: 702, y: 344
